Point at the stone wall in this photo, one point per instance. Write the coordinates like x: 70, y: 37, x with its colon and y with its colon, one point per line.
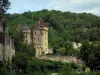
x: 7, y: 50
x: 1, y: 51
x: 60, y: 58
x: 40, y: 40
x: 27, y: 36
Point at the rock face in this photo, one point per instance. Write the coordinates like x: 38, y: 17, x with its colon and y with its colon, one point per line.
x: 37, y: 35
x: 6, y: 43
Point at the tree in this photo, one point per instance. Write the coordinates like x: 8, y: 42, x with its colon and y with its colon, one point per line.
x: 90, y: 54
x: 66, y: 70
x: 4, y: 5
x: 61, y: 51
x: 28, y: 49
x: 20, y: 62
x: 18, y: 39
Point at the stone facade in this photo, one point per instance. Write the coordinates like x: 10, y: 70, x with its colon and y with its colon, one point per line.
x: 37, y: 35
x: 27, y: 34
x: 6, y: 43
x: 67, y: 59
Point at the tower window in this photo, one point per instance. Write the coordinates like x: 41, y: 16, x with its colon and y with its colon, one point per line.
x: 34, y: 38
x: 45, y: 37
x: 35, y: 32
x: 26, y: 35
x: 38, y: 38
x: 26, y: 41
x: 41, y: 33
x: 45, y: 32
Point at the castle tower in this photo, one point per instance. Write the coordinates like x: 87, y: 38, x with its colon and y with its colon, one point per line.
x: 27, y: 34
x: 40, y: 37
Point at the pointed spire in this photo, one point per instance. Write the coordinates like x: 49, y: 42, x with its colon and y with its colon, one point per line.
x: 40, y: 21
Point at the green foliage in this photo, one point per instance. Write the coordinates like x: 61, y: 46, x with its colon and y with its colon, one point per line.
x: 66, y: 69
x: 36, y: 66
x: 90, y: 54
x: 20, y: 62
x: 28, y: 49
x: 18, y: 39
x: 61, y: 51
x: 5, y: 5
x: 63, y: 26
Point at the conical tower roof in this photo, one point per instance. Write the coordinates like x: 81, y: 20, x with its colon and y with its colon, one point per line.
x: 25, y: 27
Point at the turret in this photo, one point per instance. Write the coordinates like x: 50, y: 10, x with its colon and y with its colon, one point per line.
x: 40, y: 37
x: 27, y: 34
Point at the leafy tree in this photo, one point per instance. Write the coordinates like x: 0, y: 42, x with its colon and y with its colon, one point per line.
x: 4, y: 5
x: 20, y: 62
x: 66, y: 69
x: 18, y: 39
x: 90, y: 54
x: 61, y: 51
x: 28, y: 49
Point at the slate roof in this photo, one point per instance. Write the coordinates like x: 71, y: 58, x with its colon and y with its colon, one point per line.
x: 25, y: 27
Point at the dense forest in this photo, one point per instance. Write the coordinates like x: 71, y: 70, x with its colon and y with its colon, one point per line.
x: 64, y: 27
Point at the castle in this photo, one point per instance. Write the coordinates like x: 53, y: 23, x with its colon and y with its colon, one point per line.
x: 37, y: 35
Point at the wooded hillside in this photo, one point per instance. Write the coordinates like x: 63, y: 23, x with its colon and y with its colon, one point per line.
x: 64, y: 27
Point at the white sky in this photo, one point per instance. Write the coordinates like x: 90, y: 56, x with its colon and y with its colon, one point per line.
x: 20, y: 6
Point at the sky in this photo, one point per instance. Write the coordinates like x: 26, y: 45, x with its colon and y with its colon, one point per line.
x: 77, y: 6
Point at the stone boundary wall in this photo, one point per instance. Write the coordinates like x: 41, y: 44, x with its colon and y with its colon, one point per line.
x: 60, y: 58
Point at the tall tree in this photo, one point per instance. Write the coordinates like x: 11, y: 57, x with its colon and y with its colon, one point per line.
x: 4, y: 5
x: 90, y: 54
